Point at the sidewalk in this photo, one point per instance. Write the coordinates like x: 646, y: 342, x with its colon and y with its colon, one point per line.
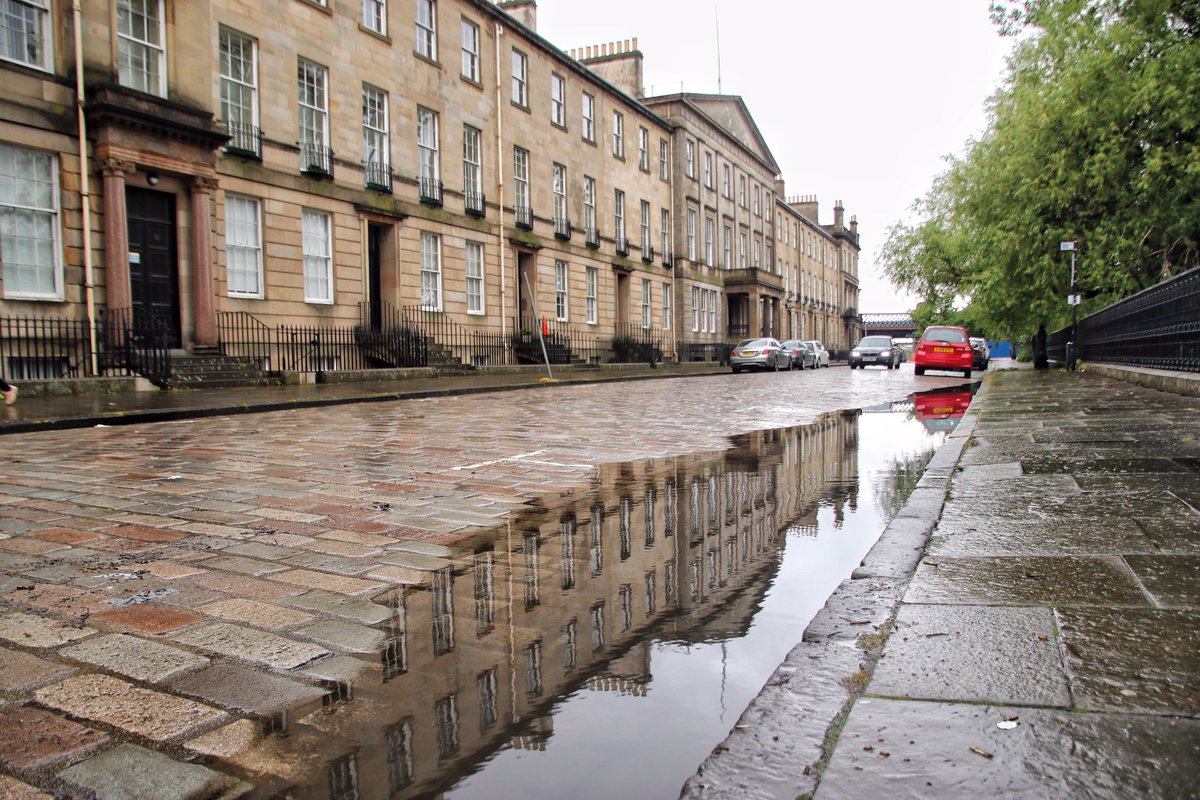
x: 33, y: 413
x: 1027, y: 626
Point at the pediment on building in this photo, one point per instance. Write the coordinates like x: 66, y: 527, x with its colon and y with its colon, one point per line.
x: 730, y: 112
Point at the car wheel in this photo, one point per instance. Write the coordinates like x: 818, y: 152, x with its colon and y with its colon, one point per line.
x: 919, y: 370
x: 736, y: 370
x: 966, y: 373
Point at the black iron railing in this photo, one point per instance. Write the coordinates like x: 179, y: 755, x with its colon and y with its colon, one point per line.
x: 622, y: 245
x: 1158, y: 328
x: 431, y: 191
x: 378, y: 176
x: 707, y: 352
x: 635, y: 343
x: 37, y: 348
x: 592, y: 238
x: 475, y: 204
x: 244, y: 140
x: 524, y: 215
x: 316, y: 159
x: 562, y: 228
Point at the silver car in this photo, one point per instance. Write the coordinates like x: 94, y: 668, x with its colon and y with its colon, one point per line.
x: 820, y: 351
x: 765, y: 353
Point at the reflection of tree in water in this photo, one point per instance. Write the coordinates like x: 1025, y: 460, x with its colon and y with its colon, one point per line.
x: 897, y: 481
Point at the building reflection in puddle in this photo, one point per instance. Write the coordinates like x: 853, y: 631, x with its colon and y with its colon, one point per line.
x: 489, y: 645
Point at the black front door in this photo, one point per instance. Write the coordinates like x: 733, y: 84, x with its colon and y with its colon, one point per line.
x: 153, y: 268
x: 375, y: 275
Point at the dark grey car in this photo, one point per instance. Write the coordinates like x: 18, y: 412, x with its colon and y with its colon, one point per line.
x: 802, y: 355
x: 875, y: 350
x: 765, y: 353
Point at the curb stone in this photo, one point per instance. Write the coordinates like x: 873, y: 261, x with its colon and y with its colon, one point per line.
x: 780, y: 744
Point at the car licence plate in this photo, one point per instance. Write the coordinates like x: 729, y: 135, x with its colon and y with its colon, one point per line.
x: 943, y: 349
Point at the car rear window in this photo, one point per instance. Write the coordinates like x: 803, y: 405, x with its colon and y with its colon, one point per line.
x: 875, y: 341
x: 954, y: 335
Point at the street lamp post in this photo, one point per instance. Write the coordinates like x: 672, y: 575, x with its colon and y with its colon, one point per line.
x: 1073, y: 301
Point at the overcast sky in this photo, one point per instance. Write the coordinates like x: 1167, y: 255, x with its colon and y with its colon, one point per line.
x: 859, y: 100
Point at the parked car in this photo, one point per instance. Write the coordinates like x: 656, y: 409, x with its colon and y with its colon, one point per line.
x: 982, y: 354
x: 820, y: 351
x: 875, y: 350
x: 945, y: 347
x: 803, y: 356
x: 941, y: 410
x: 905, y: 343
x: 765, y: 353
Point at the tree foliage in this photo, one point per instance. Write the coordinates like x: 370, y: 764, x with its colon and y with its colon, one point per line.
x: 1094, y: 137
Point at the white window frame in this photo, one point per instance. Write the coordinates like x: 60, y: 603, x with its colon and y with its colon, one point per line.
x: 712, y: 311
x: 690, y: 159
x: 29, y: 223
x: 643, y: 149
x: 520, y: 177
x: 312, y: 86
x: 742, y: 199
x: 708, y: 169
x: 558, y: 99
x: 591, y: 278
x: 727, y: 248
x: 663, y: 160
x: 239, y: 76
x: 757, y: 252
x: 589, y: 204
x: 691, y: 234
x: 709, y: 232
x: 589, y: 117
x: 35, y: 32
x: 472, y: 160
x: 426, y: 29
x: 618, y: 133
x: 695, y: 309
x: 665, y: 221
x: 561, y: 311
x: 374, y: 16
x: 646, y: 304
x: 704, y: 310
x: 243, y: 244
x: 757, y: 206
x: 469, y: 42
x: 618, y: 215
x: 431, y: 271
x: 476, y: 299
x: 520, y: 78
x: 742, y: 250
x: 645, y: 218
x: 666, y: 303
x: 428, y: 150
x: 142, y: 46
x: 377, y: 146
x: 316, y: 233
x: 560, y: 194
x: 726, y: 182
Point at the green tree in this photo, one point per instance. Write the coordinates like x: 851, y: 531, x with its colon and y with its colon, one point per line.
x: 1094, y: 137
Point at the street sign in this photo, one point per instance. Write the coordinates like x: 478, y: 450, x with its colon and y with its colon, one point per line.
x: 1074, y: 299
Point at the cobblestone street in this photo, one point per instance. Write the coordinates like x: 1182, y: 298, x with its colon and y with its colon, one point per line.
x: 165, y: 584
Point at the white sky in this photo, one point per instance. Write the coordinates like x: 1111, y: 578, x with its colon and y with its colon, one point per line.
x: 859, y: 100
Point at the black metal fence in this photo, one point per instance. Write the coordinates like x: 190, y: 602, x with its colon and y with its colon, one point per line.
x: 708, y: 352
x: 119, y: 345
x: 1158, y: 328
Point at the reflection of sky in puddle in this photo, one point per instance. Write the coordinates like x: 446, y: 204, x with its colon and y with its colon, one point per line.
x: 608, y: 744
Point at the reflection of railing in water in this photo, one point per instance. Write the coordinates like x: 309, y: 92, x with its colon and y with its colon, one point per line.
x: 693, y: 540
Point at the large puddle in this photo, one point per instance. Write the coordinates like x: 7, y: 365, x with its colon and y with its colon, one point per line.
x: 603, y: 642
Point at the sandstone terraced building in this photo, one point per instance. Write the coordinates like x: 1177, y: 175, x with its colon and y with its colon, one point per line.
x: 321, y: 186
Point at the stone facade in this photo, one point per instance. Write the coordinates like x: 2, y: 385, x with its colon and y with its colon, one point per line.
x: 346, y: 163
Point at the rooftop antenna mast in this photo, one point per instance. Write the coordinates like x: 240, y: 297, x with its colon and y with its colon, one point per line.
x: 717, y: 17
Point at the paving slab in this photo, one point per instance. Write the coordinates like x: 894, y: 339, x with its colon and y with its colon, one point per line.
x: 129, y: 772
x: 249, y: 690
x: 33, y: 738
x: 330, y: 583
x: 135, y: 657
x: 1026, y: 580
x: 114, y: 702
x: 913, y: 749
x: 1173, y: 581
x: 1133, y: 660
x: 339, y: 605
x: 258, y: 614
x: 28, y: 630
x: 13, y: 789
x: 243, y: 565
x: 973, y: 654
x: 20, y: 671
x: 249, y: 644
x: 146, y: 618
x: 345, y: 636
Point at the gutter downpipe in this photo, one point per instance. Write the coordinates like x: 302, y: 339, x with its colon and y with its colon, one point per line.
x: 500, y: 202
x: 84, y: 185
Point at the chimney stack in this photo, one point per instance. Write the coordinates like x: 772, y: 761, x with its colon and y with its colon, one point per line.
x: 523, y: 11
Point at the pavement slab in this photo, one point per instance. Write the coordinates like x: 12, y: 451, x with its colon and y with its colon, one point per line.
x: 250, y: 691
x: 339, y: 605
x: 948, y: 751
x: 135, y: 657
x: 973, y: 654
x: 20, y: 671
x: 345, y: 636
x: 255, y: 613
x: 1025, y: 580
x: 1108, y: 655
x: 129, y: 772
x: 339, y: 584
x: 249, y: 644
x: 114, y: 702
x: 33, y: 739
x: 13, y: 789
x: 1173, y: 581
x: 29, y: 630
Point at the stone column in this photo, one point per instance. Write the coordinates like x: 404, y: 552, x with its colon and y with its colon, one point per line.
x: 204, y: 315
x: 118, y: 291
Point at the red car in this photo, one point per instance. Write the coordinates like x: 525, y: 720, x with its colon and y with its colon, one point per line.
x: 943, y: 347
x: 941, y: 411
